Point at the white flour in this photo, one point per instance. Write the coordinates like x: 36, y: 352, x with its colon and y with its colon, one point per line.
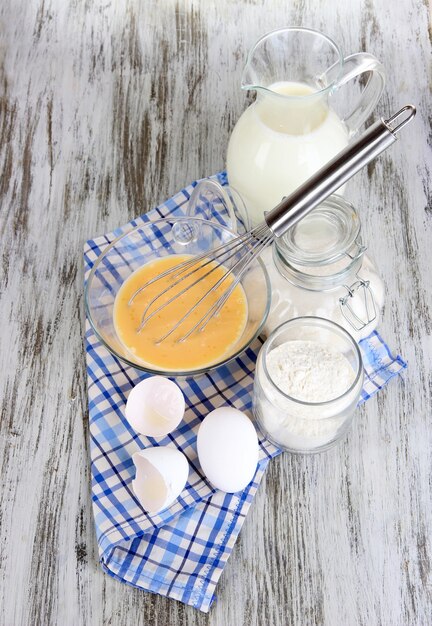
x: 311, y: 372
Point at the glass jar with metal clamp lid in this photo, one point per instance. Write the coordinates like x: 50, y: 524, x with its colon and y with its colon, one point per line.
x: 319, y: 267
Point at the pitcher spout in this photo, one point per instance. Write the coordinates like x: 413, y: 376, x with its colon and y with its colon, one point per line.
x: 270, y: 62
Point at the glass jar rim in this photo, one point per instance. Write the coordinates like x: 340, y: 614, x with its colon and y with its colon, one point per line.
x: 338, y: 225
x: 320, y: 321
x: 312, y: 282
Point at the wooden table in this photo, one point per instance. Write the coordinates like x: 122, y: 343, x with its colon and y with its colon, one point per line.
x: 108, y: 108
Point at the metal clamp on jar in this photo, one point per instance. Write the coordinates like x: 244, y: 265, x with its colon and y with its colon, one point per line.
x: 319, y: 267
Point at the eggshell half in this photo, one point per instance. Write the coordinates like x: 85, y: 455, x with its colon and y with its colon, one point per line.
x: 227, y: 446
x: 155, y: 407
x: 161, y: 476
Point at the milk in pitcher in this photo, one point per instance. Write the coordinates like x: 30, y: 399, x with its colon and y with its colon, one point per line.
x: 279, y: 142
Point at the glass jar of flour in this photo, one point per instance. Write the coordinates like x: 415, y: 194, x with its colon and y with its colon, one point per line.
x: 319, y: 267
x: 308, y: 381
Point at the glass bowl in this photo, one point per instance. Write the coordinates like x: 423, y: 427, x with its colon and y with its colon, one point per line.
x: 155, y: 239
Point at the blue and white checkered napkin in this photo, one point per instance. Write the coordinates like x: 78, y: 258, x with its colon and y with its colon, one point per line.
x: 181, y: 552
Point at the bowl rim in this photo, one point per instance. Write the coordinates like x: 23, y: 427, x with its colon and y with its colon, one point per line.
x: 173, y: 373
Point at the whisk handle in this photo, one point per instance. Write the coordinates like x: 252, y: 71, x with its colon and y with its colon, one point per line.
x: 336, y: 172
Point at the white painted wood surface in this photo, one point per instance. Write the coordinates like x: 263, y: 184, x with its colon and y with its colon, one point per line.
x: 106, y: 109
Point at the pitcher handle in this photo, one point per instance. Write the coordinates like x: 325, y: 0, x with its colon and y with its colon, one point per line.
x: 353, y: 66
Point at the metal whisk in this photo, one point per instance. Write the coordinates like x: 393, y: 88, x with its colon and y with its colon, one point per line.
x: 276, y: 222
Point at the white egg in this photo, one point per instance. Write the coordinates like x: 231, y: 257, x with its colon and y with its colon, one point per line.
x: 161, y: 475
x: 228, y: 449
x: 155, y: 407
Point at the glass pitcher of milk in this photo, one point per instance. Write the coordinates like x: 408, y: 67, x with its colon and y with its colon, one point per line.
x: 291, y: 130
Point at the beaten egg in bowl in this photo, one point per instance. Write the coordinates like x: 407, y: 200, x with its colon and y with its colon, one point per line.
x: 185, y: 300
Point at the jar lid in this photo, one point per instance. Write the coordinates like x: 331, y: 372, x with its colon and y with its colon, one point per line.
x: 324, y: 236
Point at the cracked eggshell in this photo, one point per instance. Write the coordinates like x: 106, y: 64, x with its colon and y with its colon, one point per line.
x: 161, y: 476
x: 155, y: 407
x: 227, y: 446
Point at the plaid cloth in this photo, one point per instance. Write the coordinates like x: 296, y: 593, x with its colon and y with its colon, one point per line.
x: 181, y: 552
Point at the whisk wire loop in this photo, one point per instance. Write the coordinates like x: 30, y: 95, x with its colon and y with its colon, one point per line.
x: 253, y: 240
x: 217, y: 306
x: 184, y: 265
x: 229, y: 249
